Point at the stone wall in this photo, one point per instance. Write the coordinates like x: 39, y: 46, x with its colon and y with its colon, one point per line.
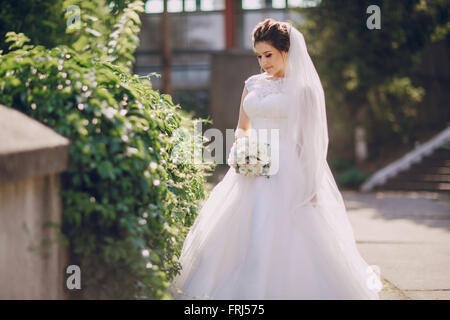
x: 32, y: 260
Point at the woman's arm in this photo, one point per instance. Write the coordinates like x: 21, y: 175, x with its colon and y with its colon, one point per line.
x: 244, y: 121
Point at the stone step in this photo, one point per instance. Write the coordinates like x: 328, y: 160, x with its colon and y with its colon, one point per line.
x: 441, y: 153
x: 429, y: 162
x: 417, y: 177
x: 419, y: 186
x: 427, y: 170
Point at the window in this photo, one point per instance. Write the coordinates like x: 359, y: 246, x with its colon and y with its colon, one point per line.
x: 211, y: 5
x: 253, y: 4
x: 277, y: 4
x: 190, y: 5
x: 154, y: 6
x: 294, y: 3
x: 157, y: 6
x: 303, y: 3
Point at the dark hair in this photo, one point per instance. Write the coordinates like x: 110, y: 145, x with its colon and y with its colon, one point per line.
x: 272, y: 31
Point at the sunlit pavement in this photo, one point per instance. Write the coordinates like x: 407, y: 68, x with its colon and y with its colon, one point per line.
x: 407, y: 235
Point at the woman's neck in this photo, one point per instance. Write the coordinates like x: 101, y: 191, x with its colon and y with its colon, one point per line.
x: 277, y: 76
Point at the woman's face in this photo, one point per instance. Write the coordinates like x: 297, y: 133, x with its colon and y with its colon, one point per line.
x: 270, y: 58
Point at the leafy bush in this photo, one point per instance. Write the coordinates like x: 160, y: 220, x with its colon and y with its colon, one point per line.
x: 347, y: 175
x: 127, y: 205
x: 340, y: 164
x: 351, y: 178
x: 103, y: 33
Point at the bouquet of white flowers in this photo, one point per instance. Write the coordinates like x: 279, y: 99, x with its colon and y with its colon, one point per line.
x: 250, y: 157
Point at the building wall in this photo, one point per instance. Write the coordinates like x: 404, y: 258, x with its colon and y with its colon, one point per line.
x: 195, y: 36
x: 229, y: 70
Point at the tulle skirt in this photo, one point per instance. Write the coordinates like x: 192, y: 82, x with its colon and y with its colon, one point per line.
x: 246, y: 243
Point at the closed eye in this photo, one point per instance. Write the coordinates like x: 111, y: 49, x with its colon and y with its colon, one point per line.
x: 268, y: 56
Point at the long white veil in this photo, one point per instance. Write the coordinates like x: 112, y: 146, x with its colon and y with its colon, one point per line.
x: 312, y: 185
x: 307, y: 124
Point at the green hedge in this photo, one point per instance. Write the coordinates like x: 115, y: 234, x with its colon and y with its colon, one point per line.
x: 347, y: 175
x: 122, y: 193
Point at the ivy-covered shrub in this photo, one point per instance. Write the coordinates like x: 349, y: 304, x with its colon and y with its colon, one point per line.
x: 126, y: 205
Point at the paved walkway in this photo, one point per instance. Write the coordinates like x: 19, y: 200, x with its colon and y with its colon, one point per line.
x: 406, y: 234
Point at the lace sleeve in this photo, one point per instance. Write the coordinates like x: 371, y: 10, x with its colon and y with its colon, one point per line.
x: 249, y: 83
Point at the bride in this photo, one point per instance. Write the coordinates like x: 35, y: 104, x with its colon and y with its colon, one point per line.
x: 288, y: 236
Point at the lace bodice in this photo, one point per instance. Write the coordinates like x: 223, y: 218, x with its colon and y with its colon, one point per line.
x: 265, y: 103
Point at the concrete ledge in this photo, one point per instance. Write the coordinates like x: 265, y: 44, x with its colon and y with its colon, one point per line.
x: 28, y: 148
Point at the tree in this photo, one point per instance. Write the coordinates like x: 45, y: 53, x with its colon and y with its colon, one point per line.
x: 367, y: 73
x: 41, y: 20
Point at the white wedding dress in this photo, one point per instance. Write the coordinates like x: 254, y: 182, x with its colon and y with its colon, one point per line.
x: 247, y: 244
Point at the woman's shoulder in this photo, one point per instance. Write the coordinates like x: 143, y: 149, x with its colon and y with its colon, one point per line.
x: 250, y: 81
x: 254, y: 77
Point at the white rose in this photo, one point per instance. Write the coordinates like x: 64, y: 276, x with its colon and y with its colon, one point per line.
x: 253, y: 147
x: 264, y: 158
x: 241, y: 157
x: 253, y: 159
x: 251, y: 171
x: 243, y: 170
x: 257, y: 169
x: 264, y: 148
